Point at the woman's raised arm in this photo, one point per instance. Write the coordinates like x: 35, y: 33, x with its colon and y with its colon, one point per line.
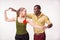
x: 6, y: 18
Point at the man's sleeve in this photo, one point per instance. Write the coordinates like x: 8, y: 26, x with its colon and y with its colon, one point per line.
x: 29, y: 15
x: 47, y: 20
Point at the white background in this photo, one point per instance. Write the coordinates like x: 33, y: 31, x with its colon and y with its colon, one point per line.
x: 49, y: 7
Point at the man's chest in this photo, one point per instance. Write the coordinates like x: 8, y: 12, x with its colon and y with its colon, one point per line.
x: 40, y: 20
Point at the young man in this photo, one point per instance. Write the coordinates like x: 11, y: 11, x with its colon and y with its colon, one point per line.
x: 40, y: 20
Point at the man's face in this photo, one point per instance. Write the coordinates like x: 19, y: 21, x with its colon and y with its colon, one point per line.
x: 36, y: 10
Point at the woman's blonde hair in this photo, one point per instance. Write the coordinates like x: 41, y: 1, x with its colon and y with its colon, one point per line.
x: 19, y: 10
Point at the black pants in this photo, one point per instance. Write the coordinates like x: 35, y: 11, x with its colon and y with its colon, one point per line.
x: 22, y: 37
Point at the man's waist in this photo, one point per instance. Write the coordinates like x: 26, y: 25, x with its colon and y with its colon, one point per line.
x: 38, y: 31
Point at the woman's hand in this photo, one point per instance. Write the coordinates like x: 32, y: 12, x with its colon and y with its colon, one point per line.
x: 45, y: 27
x: 12, y: 9
x: 6, y: 18
x: 6, y: 10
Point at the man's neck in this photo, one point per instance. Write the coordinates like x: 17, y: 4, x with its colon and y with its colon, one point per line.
x: 37, y: 14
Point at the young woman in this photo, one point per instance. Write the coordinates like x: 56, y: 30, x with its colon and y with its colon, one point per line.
x: 21, y: 21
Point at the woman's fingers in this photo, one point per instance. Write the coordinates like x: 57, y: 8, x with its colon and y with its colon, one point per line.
x: 44, y: 27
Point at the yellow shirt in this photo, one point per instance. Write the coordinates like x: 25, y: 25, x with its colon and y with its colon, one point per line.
x: 40, y: 20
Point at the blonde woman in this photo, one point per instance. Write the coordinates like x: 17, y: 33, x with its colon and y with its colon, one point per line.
x: 21, y: 21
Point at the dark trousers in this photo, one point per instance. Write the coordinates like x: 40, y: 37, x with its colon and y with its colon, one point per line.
x: 22, y: 37
x: 41, y: 36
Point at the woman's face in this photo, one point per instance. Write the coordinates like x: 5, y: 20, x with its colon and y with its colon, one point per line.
x: 23, y: 12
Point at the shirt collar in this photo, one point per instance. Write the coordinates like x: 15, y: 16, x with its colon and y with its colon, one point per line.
x: 39, y: 15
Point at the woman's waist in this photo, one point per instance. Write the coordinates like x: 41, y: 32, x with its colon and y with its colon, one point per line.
x: 21, y: 32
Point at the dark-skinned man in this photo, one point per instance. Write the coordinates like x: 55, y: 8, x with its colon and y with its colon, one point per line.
x: 39, y: 20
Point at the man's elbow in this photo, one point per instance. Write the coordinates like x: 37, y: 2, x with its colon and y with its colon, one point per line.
x: 50, y: 25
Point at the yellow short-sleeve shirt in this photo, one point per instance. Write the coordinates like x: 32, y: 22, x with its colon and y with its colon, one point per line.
x: 40, y: 20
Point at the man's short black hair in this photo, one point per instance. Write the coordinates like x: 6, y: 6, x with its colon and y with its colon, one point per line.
x: 39, y: 7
